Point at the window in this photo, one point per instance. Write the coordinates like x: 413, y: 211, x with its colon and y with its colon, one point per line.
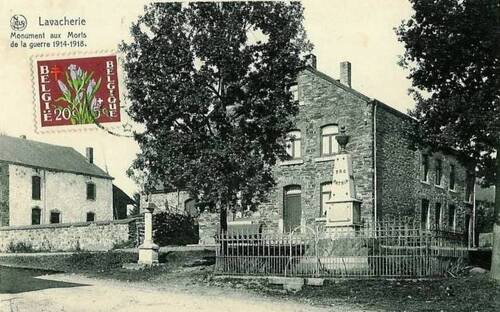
x: 425, y: 168
x: 325, y: 196
x: 55, y: 217
x: 90, y: 191
x: 452, y: 176
x: 36, y: 214
x: 294, y: 144
x: 469, y: 186
x: 35, y: 187
x: 90, y: 217
x: 294, y: 90
x: 439, y: 171
x: 437, y: 216
x: 452, y: 217
x: 329, y: 145
x: 425, y: 214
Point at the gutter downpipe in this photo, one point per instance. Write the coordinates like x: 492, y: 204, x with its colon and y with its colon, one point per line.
x: 473, y: 216
x: 45, y: 216
x: 374, y: 103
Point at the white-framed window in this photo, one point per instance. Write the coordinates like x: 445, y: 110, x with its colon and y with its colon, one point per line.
x: 329, y: 145
x: 90, y: 217
x: 294, y: 144
x: 469, y: 187
x: 452, y: 176
x: 36, y: 215
x: 325, y: 196
x: 425, y: 214
x: 55, y: 217
x: 438, y: 215
x: 452, y: 217
x: 439, y: 171
x: 91, y: 191
x: 424, y: 168
x: 36, y: 187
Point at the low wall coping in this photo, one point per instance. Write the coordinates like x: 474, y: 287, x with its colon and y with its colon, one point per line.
x: 66, y: 225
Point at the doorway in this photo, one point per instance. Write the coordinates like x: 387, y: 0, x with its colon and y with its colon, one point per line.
x: 292, y: 209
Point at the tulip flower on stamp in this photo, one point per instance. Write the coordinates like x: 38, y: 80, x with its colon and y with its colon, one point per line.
x: 76, y: 92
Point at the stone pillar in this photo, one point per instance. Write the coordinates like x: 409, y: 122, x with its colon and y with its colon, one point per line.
x: 148, y: 251
x: 344, y: 210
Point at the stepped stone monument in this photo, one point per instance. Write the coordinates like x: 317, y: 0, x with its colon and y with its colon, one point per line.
x: 344, y: 208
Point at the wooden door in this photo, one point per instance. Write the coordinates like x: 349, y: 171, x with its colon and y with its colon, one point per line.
x: 292, y: 210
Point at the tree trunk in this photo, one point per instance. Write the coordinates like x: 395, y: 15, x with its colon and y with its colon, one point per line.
x: 495, y: 256
x: 223, y: 217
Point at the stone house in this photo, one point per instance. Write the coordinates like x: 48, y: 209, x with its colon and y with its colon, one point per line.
x: 391, y: 180
x: 45, y: 184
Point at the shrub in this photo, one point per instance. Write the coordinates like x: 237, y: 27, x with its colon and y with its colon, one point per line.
x: 20, y: 247
x: 174, y: 229
x: 99, y: 261
x: 124, y: 244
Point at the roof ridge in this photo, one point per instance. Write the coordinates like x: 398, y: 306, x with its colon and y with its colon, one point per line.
x: 38, y: 154
x: 37, y: 142
x: 356, y: 92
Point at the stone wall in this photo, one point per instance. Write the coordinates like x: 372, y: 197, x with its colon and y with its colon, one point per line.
x: 60, y: 191
x: 171, y: 201
x: 399, y: 187
x: 66, y: 237
x: 4, y: 194
x: 397, y: 168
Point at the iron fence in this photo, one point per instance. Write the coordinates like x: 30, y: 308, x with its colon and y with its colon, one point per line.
x: 389, y: 249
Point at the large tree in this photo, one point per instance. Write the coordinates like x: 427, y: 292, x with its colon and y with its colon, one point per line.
x: 210, y: 82
x: 452, y: 51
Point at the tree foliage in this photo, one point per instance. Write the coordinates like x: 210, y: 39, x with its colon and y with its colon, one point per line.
x: 452, y: 51
x: 210, y: 83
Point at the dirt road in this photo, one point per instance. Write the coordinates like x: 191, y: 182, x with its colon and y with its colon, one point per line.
x: 107, y: 295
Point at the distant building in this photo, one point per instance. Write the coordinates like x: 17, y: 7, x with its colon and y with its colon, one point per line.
x: 43, y: 183
x: 391, y: 179
x: 120, y: 202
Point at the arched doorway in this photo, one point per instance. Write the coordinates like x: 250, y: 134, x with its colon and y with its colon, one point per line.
x: 292, y: 210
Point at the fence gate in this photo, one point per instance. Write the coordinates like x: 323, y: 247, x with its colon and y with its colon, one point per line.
x: 390, y: 249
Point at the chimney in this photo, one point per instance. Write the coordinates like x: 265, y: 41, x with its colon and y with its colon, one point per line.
x: 89, y: 152
x: 22, y: 136
x: 345, y: 73
x: 311, y: 60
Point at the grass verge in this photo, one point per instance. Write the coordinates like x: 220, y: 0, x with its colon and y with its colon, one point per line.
x: 464, y: 293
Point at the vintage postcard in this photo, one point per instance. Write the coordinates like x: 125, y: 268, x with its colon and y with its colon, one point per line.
x: 314, y: 155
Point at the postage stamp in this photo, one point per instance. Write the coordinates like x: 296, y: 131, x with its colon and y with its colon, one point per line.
x: 75, y: 93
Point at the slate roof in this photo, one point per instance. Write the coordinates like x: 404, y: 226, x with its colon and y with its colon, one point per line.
x: 30, y: 153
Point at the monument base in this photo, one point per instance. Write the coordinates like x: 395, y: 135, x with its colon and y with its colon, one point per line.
x: 148, y: 254
x: 340, y: 231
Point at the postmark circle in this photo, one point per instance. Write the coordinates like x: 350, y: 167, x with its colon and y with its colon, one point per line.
x: 18, y: 22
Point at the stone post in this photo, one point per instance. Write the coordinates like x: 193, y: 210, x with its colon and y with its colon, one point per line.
x: 148, y: 251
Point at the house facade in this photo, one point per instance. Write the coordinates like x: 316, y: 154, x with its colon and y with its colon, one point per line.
x: 46, y: 184
x: 390, y: 178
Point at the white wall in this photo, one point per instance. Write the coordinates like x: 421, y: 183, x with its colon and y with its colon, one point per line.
x: 65, y: 192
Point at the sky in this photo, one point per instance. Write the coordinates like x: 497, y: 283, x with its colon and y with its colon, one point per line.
x: 359, y: 31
